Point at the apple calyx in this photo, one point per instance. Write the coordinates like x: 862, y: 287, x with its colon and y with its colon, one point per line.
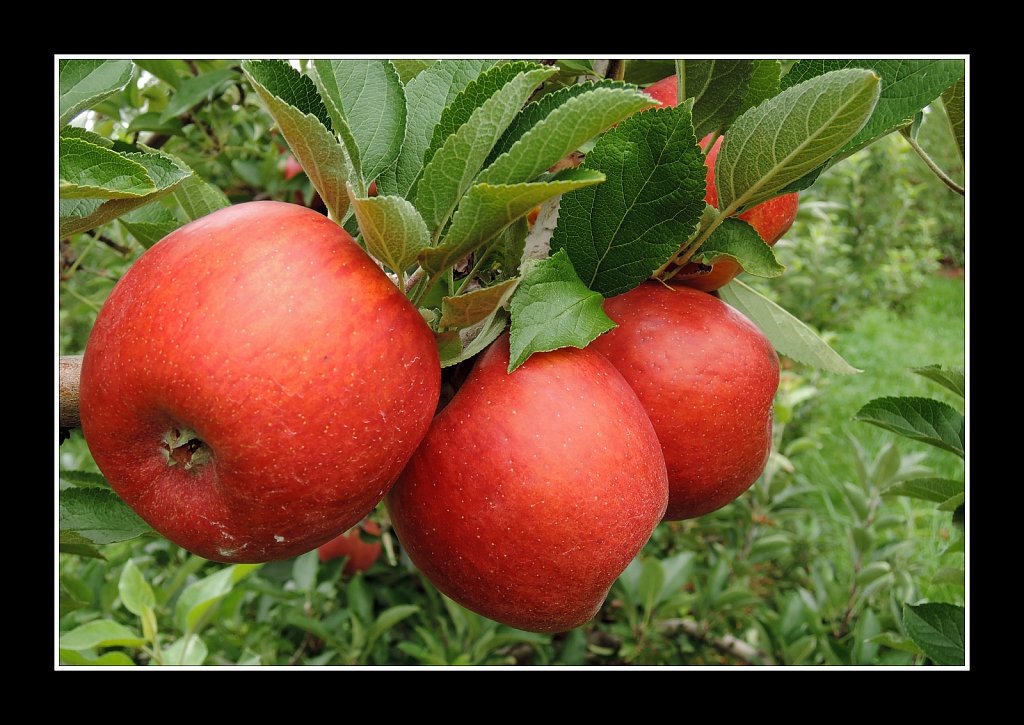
x: 183, y: 446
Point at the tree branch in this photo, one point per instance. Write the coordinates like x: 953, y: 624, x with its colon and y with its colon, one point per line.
x: 726, y: 644
x: 70, y: 372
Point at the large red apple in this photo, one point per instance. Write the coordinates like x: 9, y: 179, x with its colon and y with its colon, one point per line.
x: 255, y: 383
x: 361, y: 554
x: 533, y: 490
x: 771, y: 219
x: 706, y: 376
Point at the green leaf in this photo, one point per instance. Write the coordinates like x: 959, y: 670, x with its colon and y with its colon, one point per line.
x: 790, y: 135
x: 938, y: 629
x: 476, y: 306
x: 788, y: 335
x: 80, y: 215
x: 165, y: 70
x: 927, y: 489
x: 719, y: 89
x: 108, y: 659
x: 193, y: 91
x: 387, y: 620
x: 198, y: 198
x: 189, y: 650
x: 99, y: 515
x: 452, y: 169
x: 84, y: 135
x: 535, y: 112
x: 954, y: 575
x: 71, y: 596
x: 735, y: 239
x: 409, y: 68
x: 83, y: 83
x: 71, y: 542
x: 304, y: 570
x: 100, y: 633
x: 894, y: 641
x: 370, y: 94
x: 920, y: 419
x: 394, y: 232
x: 200, y: 596
x: 618, y: 233
x: 955, y: 102
x: 553, y: 308
x: 764, y: 83
x: 487, y: 209
x: 360, y: 600
x: 293, y: 101
x: 152, y: 121
x: 872, y: 571
x: 577, y: 120
x: 652, y: 578
x: 951, y: 378
x: 953, y: 502
x: 470, y: 98
x: 135, y: 592
x: 426, y: 97
x: 907, y: 86
x: 91, y: 171
x: 151, y: 223
x: 474, y: 339
x: 84, y: 479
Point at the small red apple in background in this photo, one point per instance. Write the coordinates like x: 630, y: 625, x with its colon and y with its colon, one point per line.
x: 771, y: 219
x: 292, y: 168
x: 706, y: 376
x: 361, y: 554
x: 532, y: 491
x: 255, y: 383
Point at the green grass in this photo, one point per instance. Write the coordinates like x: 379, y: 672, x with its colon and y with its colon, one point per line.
x: 885, y: 345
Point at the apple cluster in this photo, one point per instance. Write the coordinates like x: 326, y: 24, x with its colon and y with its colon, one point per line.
x: 256, y: 385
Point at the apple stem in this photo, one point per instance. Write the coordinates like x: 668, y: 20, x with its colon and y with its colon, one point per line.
x: 943, y: 176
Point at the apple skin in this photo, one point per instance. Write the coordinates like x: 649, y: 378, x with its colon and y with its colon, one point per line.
x: 706, y: 376
x: 533, y: 491
x: 267, y: 333
x: 292, y: 168
x: 361, y: 554
x: 771, y: 219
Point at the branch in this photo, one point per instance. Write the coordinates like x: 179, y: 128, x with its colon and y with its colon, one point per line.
x: 930, y: 163
x: 70, y: 373
x: 726, y: 644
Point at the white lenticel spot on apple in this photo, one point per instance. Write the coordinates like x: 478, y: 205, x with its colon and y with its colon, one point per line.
x: 279, y: 539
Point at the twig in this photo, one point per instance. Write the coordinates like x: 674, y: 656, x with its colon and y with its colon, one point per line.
x: 726, y: 644
x: 70, y: 369
x: 943, y: 176
x: 119, y: 248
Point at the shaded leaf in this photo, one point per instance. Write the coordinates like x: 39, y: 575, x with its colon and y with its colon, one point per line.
x: 788, y: 335
x: 82, y: 83
x: 476, y: 306
x: 487, y: 209
x: 99, y: 515
x: 735, y: 239
x: 938, y: 629
x: 951, y: 378
x: 920, y: 419
x: 392, y: 229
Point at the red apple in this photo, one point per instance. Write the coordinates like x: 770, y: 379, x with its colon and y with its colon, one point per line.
x: 532, y: 491
x: 292, y: 168
x: 361, y: 554
x: 706, y: 376
x: 771, y: 219
x: 255, y: 383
